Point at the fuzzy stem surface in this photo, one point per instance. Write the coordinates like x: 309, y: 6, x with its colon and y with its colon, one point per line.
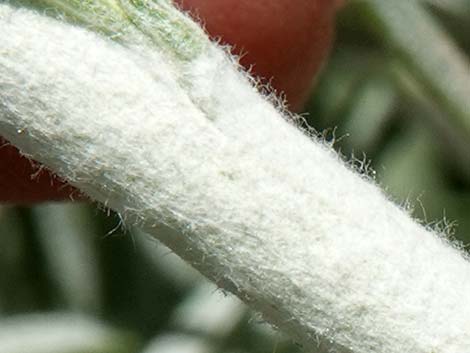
x: 265, y: 211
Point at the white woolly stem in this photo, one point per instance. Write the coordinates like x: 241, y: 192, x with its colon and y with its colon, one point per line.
x: 262, y: 210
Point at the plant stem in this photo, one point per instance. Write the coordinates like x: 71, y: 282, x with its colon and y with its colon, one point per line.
x: 262, y: 209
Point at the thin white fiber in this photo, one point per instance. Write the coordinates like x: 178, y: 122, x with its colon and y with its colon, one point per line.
x: 264, y: 211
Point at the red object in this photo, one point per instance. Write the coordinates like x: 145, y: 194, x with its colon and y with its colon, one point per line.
x: 284, y: 41
x: 24, y: 181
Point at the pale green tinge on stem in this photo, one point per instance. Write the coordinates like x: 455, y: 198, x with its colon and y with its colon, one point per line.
x: 166, y: 26
x: 103, y: 16
x: 127, y: 20
x: 426, y: 51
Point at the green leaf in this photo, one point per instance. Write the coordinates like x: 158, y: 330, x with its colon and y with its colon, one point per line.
x: 428, y: 52
x: 61, y: 333
x: 67, y: 236
x: 456, y: 8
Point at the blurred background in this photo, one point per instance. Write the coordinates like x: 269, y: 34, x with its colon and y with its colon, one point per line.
x: 395, y: 92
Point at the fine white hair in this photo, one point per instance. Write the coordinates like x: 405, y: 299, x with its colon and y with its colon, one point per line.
x: 262, y: 209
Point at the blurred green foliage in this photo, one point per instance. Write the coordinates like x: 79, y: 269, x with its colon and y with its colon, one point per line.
x: 396, y: 90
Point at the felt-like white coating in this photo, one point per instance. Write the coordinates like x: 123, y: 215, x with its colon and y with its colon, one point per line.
x: 263, y: 210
